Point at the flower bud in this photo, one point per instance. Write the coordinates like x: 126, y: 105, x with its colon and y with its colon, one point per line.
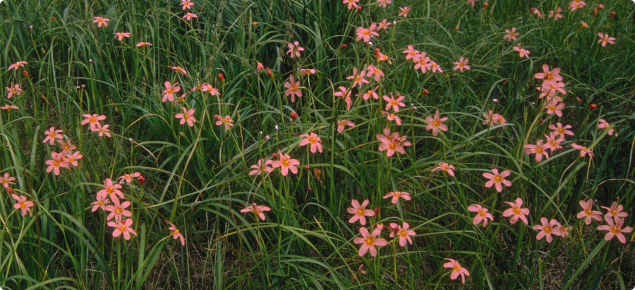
x: 306, y: 167
x: 593, y: 107
x: 142, y: 180
x: 221, y: 77
x: 485, y: 5
x: 595, y: 12
x: 600, y: 6
x: 269, y: 73
x: 359, y: 9
x: 25, y: 73
x: 294, y: 116
x: 425, y: 91
x: 343, y: 46
x: 612, y: 14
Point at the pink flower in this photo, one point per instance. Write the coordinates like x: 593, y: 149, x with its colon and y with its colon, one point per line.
x: 588, y: 213
x: 343, y: 123
x: 490, y: 118
x: 101, y: 21
x: 604, y: 39
x: 547, y: 228
x: 186, y: 116
x: 550, y: 87
x: 383, y: 57
x: 294, y: 49
x: 17, y: 65
x: 383, y: 25
x: 293, y: 89
x: 423, y: 63
x: 369, y: 241
x: 456, y: 270
x: 462, y: 63
x: 584, y: 24
x: 189, y: 16
x: 22, y: 204
x: 7, y: 180
x: 392, y: 117
x: 445, y: 167
x: 382, y: 3
x: 481, y: 216
x: 536, y: 11
x: 286, y: 163
x: 260, y: 67
x: 374, y: 71
x: 358, y: 79
x: 511, y: 34
x: 168, y: 93
x: 176, y: 234
x: 13, y: 90
x: 312, y: 139
x: 366, y: 33
x: 142, y: 44
x: 394, y: 103
x: 369, y: 93
x: 554, y: 107
x: 392, y: 142
x: 396, y: 195
x: 123, y: 227
x: 9, y: 107
x: 359, y: 212
x: 103, y: 130
x: 521, y: 51
x: 583, y: 150
x: 53, y: 135
x: 55, y: 163
x: 346, y: 95
x: 121, y: 35
x: 471, y: 2
x: 613, y: 228
x: 100, y: 203
x: 404, y: 11
x: 436, y: 67
x: 497, y: 179
x: 559, y: 129
x: 117, y: 210
x: 178, y: 69
x: 72, y: 158
x: 128, y: 177
x: 557, y: 15
x: 436, y: 123
x: 257, y: 210
x: 606, y: 126
x: 206, y: 87
x: 516, y: 211
x: 412, y: 53
x: 576, y: 4
x: 226, y: 121
x: 93, y: 120
x: 110, y: 190
x: 539, y: 149
x: 547, y: 75
x: 261, y: 167
x: 403, y: 232
x: 187, y: 4
x: 351, y: 3
x: 308, y: 71
x: 552, y: 142
x: 615, y: 210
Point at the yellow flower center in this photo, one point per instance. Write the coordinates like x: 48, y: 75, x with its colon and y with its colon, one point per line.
x: 613, y: 212
x: 110, y: 190
x: 482, y: 213
x: 403, y: 233
x: 294, y: 88
x: 538, y: 150
x: 498, y: 179
x: 360, y: 212
x: 56, y: 163
x: 170, y: 91
x: 370, y: 241
x: 547, y: 230
x: 615, y: 230
x: 436, y: 123
x: 457, y: 268
x: 23, y: 204
x: 516, y: 211
x: 285, y: 163
x: 52, y: 134
x: 118, y: 211
x: 122, y: 228
x: 100, y: 202
x: 397, y: 194
x: 312, y: 140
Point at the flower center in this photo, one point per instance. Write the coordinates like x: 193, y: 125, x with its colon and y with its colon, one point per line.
x: 397, y: 194
x: 436, y: 123
x: 482, y: 213
x: 457, y: 268
x: 360, y: 212
x: 538, y: 150
x: 285, y: 163
x: 516, y: 211
x: 294, y: 88
x: 615, y: 230
x: 52, y: 135
x: 22, y: 204
x: 403, y: 233
x: 56, y: 163
x: 370, y: 241
x: 613, y: 212
x: 110, y: 190
x: 122, y: 228
x: 498, y: 179
x: 118, y: 211
x: 170, y: 91
x: 312, y: 140
x: 547, y: 230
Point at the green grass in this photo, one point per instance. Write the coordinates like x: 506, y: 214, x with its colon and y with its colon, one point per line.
x: 196, y: 177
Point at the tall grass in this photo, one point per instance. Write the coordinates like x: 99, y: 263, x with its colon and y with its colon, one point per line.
x: 196, y: 177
